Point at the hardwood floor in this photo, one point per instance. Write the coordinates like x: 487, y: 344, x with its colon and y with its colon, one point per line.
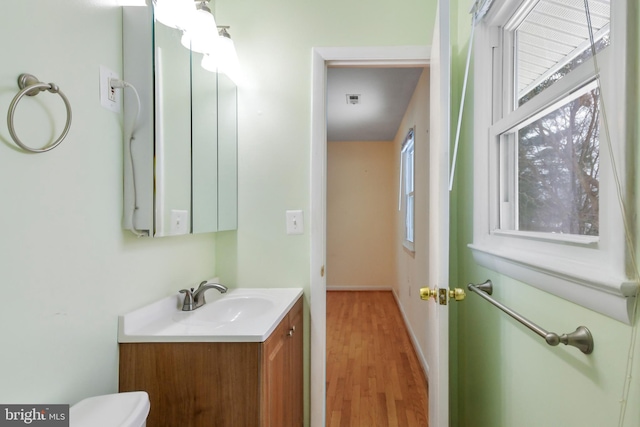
x: 373, y: 375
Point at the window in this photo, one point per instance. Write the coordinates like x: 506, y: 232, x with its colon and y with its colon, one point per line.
x: 546, y: 207
x: 407, y: 201
x: 550, y: 171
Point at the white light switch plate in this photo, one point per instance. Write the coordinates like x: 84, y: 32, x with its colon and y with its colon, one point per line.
x: 179, y: 222
x: 295, y: 222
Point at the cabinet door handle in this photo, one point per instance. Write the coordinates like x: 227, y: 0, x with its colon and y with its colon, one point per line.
x: 292, y: 330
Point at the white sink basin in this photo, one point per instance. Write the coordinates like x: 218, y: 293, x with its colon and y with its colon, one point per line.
x: 240, y: 315
x: 238, y: 308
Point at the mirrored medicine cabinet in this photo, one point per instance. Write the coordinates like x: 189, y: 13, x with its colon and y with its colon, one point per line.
x: 180, y: 169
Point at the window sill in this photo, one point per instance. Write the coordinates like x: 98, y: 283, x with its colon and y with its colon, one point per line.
x: 588, y: 285
x: 586, y: 241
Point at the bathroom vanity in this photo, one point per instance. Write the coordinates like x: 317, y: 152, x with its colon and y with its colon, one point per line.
x: 196, y: 378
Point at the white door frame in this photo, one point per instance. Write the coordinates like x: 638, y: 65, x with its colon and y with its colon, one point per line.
x: 389, y: 56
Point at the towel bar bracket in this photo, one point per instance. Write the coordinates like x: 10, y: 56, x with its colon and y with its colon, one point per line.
x: 580, y: 338
x: 485, y: 287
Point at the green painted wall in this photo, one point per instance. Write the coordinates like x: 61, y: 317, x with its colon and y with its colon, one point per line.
x: 274, y: 42
x: 67, y: 269
x: 507, y: 376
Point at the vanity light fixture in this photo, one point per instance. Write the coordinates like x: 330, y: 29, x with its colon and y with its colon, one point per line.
x: 224, y: 58
x: 174, y: 13
x: 228, y: 58
x: 200, y: 35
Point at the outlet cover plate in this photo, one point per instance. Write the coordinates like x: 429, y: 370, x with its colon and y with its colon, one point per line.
x: 105, y: 90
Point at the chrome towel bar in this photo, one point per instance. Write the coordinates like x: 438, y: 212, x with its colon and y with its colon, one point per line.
x: 580, y: 338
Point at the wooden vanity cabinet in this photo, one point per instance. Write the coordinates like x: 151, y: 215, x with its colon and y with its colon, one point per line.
x: 231, y: 384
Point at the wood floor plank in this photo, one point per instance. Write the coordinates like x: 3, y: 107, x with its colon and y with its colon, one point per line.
x: 374, y: 377
x: 334, y: 420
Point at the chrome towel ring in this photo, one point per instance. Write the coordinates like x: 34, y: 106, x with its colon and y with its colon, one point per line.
x: 31, y: 86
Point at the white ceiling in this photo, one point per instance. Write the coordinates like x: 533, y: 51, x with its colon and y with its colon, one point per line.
x: 384, y: 96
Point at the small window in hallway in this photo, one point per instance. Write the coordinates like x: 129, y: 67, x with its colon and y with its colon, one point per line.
x: 407, y: 189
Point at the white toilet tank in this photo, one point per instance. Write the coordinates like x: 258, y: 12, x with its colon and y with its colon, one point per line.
x: 111, y: 410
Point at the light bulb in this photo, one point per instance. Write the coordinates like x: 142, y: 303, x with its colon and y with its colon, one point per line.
x: 228, y: 58
x: 173, y: 13
x: 201, y: 32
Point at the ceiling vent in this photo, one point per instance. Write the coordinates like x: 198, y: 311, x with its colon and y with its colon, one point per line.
x: 353, y: 99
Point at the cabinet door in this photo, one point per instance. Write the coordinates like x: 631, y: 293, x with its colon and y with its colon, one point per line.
x: 296, y: 364
x: 275, y: 407
x: 282, y: 399
x: 195, y: 384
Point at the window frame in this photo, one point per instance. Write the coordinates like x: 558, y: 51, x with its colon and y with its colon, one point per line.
x: 503, y: 132
x: 592, y: 272
x: 407, y: 189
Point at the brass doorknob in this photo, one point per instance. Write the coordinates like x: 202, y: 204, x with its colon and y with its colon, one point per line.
x: 457, y: 294
x: 426, y: 293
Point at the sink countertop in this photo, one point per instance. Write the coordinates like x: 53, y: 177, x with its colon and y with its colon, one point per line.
x: 164, y: 320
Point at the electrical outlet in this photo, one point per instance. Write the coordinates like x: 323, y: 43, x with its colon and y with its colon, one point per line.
x: 111, y: 92
x: 109, y: 97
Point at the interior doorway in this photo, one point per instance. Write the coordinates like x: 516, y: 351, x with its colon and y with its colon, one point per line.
x: 370, y: 112
x: 366, y: 109
x: 322, y: 59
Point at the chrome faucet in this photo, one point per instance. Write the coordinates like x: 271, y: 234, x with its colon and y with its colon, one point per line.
x: 195, y: 299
